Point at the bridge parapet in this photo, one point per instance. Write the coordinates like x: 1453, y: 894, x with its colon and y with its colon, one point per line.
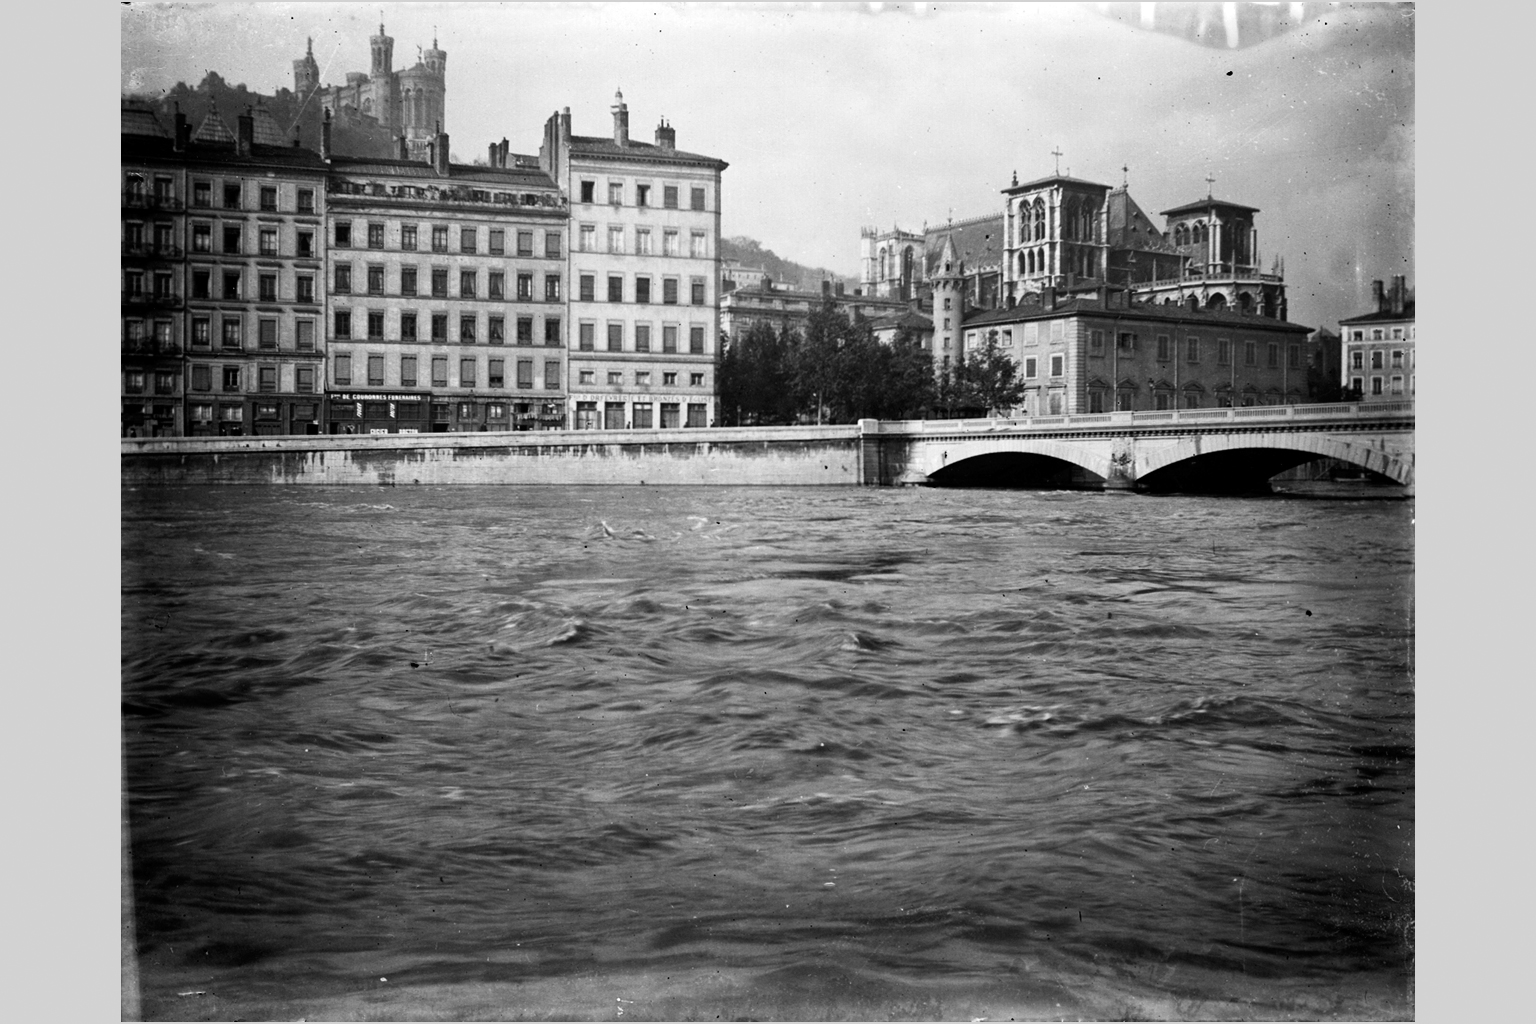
x: 1341, y: 413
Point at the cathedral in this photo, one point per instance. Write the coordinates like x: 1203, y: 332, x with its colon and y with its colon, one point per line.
x: 1072, y: 236
x: 408, y: 102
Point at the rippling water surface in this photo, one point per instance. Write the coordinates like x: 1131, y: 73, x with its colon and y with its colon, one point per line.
x: 645, y: 752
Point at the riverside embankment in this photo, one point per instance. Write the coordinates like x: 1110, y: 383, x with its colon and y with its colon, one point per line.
x: 781, y: 456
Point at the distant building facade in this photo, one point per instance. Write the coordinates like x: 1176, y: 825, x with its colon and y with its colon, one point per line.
x: 1378, y: 347
x: 791, y: 308
x: 410, y: 102
x: 644, y: 268
x: 445, y: 286
x: 1110, y: 352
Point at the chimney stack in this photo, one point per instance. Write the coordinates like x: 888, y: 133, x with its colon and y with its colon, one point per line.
x: 666, y: 137
x: 620, y: 120
x: 1378, y: 296
x: 1399, y: 288
x: 245, y: 133
x: 493, y: 154
x: 1048, y: 296
x: 504, y: 148
x: 325, y: 137
x: 826, y: 288
x: 565, y: 124
x: 838, y: 289
x: 440, y: 152
x: 183, y: 131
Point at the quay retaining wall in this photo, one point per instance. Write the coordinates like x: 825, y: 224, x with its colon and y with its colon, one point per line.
x: 778, y: 456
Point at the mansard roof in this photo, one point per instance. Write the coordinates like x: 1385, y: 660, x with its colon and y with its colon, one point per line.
x: 908, y: 318
x: 162, y: 150
x: 1381, y: 317
x: 603, y: 148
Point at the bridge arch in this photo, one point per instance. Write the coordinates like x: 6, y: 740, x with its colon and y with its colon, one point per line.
x: 1182, y: 458
x: 941, y: 455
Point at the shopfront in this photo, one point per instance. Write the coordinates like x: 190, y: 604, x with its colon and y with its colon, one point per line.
x: 381, y: 412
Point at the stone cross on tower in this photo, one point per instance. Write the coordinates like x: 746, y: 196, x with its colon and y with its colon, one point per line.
x: 1057, y: 154
x: 1209, y: 181
x: 1125, y: 171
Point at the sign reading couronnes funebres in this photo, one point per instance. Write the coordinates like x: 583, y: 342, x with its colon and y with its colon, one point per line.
x: 380, y: 396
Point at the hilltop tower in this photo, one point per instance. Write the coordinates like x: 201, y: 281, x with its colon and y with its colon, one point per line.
x: 306, y: 73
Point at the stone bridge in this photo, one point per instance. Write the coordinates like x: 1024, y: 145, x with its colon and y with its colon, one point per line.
x: 1228, y: 450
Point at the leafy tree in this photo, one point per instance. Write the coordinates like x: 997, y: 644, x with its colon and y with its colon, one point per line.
x: 991, y: 378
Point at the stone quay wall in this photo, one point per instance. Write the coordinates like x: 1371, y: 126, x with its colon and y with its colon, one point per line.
x: 722, y: 456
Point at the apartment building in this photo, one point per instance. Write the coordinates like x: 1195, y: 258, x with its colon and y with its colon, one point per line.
x: 644, y: 271
x: 446, y: 292
x: 1378, y: 347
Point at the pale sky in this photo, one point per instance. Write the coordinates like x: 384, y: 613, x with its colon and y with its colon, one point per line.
x: 834, y: 116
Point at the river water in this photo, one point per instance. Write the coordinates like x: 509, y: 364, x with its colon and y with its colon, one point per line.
x: 639, y: 753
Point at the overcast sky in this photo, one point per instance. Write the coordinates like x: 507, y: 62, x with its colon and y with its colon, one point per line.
x: 833, y: 117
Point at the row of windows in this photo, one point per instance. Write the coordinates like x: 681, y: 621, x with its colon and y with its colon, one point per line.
x: 232, y: 241
x: 409, y: 323
x: 643, y: 194
x: 1127, y: 341
x: 642, y: 293
x: 637, y: 415
x: 228, y: 284
x: 407, y: 411
x: 163, y: 282
x: 1378, y: 333
x: 232, y: 333
x: 232, y: 194
x: 231, y: 379
x: 643, y: 338
x: 1394, y: 384
x: 1378, y: 359
x: 642, y: 378
x: 438, y: 279
x: 469, y: 372
x: 135, y: 382
x: 407, y: 238
x: 586, y: 241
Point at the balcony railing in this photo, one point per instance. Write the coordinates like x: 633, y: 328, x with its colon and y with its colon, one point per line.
x: 446, y: 194
x: 149, y: 201
x: 150, y: 347
x: 151, y: 300
x: 152, y: 250
x: 1163, y: 417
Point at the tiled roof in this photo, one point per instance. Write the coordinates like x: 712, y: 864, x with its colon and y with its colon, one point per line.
x: 978, y: 244
x: 1068, y: 307
x: 1205, y: 204
x: 265, y: 130
x: 138, y: 121
x: 146, y: 147
x: 1051, y: 180
x: 213, y: 128
x: 1384, y: 317
x: 587, y: 145
x: 1131, y: 228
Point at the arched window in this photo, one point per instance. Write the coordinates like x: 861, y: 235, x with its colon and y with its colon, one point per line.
x: 1245, y: 302
x: 1216, y: 302
x: 882, y: 275
x: 1193, y: 302
x: 1039, y: 220
x: 1070, y: 221
x: 906, y: 272
x: 1031, y: 262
